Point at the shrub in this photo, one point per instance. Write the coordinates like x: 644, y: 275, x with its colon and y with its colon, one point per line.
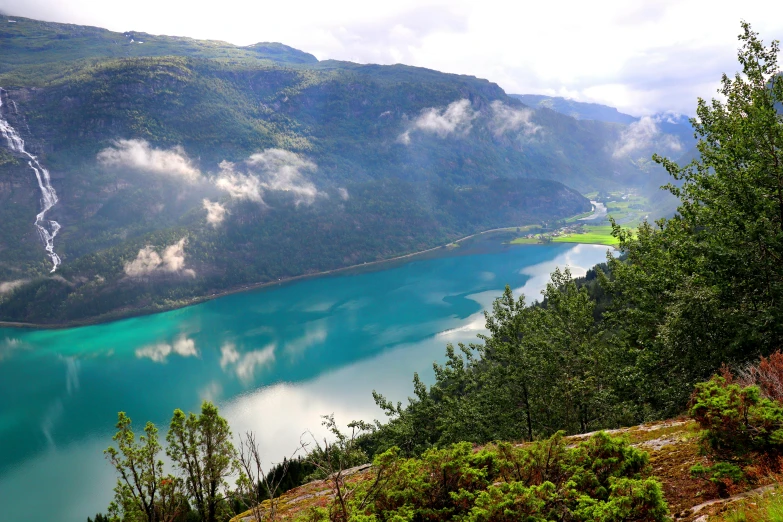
x: 767, y: 375
x: 600, y: 479
x: 737, y: 421
x: 721, y: 474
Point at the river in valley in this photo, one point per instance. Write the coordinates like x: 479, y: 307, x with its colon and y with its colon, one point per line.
x: 273, y: 359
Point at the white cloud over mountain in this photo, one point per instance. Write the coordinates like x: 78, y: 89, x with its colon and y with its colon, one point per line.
x: 216, y: 212
x: 269, y: 170
x: 140, y: 155
x: 643, y: 135
x: 148, y: 262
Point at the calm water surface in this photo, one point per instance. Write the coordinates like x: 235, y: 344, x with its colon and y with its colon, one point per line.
x: 273, y: 359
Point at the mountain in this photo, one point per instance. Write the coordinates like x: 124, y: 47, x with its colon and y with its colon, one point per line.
x: 575, y: 109
x: 181, y: 168
x: 666, y: 123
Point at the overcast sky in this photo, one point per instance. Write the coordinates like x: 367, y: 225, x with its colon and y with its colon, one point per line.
x: 639, y: 56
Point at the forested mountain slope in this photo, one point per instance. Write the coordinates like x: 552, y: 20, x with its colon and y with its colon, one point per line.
x: 184, y: 167
x: 666, y: 126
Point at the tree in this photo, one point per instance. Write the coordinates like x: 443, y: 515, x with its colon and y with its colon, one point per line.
x: 254, y: 486
x: 333, y: 461
x: 200, y: 447
x: 732, y: 199
x: 706, y: 287
x: 143, y: 493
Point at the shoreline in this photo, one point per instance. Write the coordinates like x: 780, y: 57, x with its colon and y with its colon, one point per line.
x: 140, y: 312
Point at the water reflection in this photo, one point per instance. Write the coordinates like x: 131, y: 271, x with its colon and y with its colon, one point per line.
x: 275, y: 360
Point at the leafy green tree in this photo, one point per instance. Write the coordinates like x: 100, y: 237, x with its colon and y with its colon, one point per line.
x: 143, y: 493
x: 705, y: 287
x: 200, y: 447
x: 540, y: 369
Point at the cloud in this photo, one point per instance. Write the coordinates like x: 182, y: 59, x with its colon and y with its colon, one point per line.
x: 183, y: 347
x: 508, y: 119
x: 456, y: 118
x: 149, y: 262
x: 9, y: 286
x: 481, y: 39
x: 245, y: 364
x: 139, y: 155
x: 270, y: 170
x: 282, y: 170
x: 238, y: 185
x: 343, y: 193
x: 216, y: 212
x: 644, y: 135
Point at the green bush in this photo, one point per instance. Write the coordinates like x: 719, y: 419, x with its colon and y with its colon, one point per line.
x: 737, y: 421
x: 599, y: 479
x: 721, y: 474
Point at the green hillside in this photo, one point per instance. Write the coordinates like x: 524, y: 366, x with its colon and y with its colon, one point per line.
x: 367, y: 162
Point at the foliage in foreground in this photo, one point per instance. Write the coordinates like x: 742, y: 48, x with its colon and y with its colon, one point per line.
x: 766, y: 508
x: 600, y: 479
x: 200, y: 449
x: 741, y: 422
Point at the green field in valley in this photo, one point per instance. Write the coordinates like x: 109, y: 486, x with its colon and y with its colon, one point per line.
x: 596, y: 235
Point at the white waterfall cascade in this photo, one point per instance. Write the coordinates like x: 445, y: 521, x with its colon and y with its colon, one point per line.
x: 46, y: 229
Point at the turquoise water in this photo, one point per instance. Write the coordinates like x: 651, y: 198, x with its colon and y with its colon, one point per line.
x: 274, y: 360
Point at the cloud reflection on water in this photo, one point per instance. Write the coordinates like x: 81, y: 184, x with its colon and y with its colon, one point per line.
x: 272, y: 360
x: 281, y: 413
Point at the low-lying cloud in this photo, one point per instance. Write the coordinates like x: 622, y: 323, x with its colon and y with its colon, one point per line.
x: 140, y: 155
x: 183, y: 347
x: 644, y: 135
x: 509, y: 119
x: 270, y: 170
x: 282, y: 170
x: 7, y: 287
x: 216, y: 212
x: 239, y: 185
x: 457, y: 118
x: 148, y: 262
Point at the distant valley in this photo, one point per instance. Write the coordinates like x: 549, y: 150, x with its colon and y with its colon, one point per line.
x: 184, y: 168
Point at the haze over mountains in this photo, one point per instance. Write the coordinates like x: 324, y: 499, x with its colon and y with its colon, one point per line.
x: 185, y: 167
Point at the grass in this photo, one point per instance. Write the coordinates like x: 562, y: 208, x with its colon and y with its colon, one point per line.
x: 766, y: 508
x: 594, y: 235
x: 525, y: 241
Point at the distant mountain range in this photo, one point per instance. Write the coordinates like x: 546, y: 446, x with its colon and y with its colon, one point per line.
x: 183, y: 168
x: 669, y: 122
x: 575, y: 109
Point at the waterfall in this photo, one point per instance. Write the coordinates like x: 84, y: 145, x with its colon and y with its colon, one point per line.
x: 47, y: 230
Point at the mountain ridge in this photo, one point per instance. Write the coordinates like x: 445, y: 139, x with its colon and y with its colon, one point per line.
x: 252, y: 166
